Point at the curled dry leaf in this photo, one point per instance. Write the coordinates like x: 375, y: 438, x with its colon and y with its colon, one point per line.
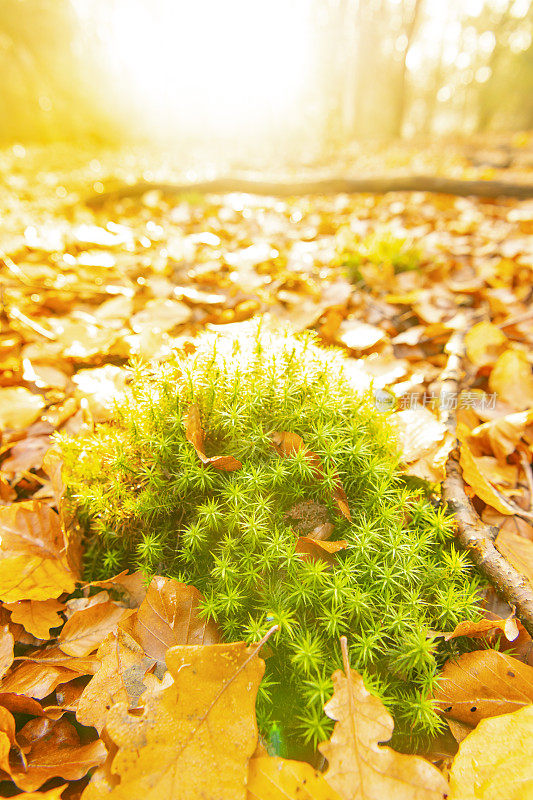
x: 33, y: 554
x: 206, y: 717
x: 37, y: 616
x: 55, y: 751
x: 494, y: 761
x: 315, y: 549
x: 482, y: 629
x: 85, y: 630
x: 502, y: 435
x: 484, y: 683
x: 359, y: 768
x: 195, y: 434
x: 168, y: 616
x: 280, y: 779
x: 474, y: 478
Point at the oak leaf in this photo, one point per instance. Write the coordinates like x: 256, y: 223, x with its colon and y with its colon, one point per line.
x: 494, y: 761
x: 206, y: 717
x: 359, y: 769
x: 36, y: 616
x: 281, y: 779
x: 33, y: 554
x: 484, y: 683
x: 195, y: 434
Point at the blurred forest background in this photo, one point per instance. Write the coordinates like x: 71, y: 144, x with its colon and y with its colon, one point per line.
x: 334, y: 70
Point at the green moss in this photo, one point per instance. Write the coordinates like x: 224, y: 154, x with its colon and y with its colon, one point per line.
x: 378, y: 248
x: 147, y: 501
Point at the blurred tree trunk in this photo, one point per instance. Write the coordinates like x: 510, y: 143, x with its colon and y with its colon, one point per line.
x: 400, y: 97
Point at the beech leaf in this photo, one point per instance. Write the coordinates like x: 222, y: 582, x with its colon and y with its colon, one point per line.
x: 280, y: 779
x: 195, y: 434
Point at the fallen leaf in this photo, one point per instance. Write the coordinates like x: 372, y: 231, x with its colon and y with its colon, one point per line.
x: 473, y: 477
x: 359, y: 768
x: 494, y: 761
x: 26, y: 455
x: 480, y: 629
x: 162, y: 315
x: 120, y: 678
x: 501, y: 436
x: 35, y: 679
x: 7, y: 643
x: 33, y: 554
x: 195, y: 435
x: 19, y: 407
x: 206, y: 717
x: 56, y: 751
x: 36, y: 616
x: 418, y: 431
x: 168, y: 616
x: 484, y: 683
x: 484, y: 343
x: 357, y: 335
x: 281, y: 779
x: 85, y: 630
x: 315, y: 549
x: 512, y: 380
x: 518, y: 551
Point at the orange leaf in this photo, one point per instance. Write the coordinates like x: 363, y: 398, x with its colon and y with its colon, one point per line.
x: 512, y: 380
x: 280, y: 779
x: 206, y: 717
x: 480, y: 629
x: 483, y: 684
x: 33, y: 554
x: 86, y: 629
x: 195, y: 434
x: 168, y: 616
x: 316, y: 549
x: 517, y: 550
x: 36, y: 616
x: 475, y: 479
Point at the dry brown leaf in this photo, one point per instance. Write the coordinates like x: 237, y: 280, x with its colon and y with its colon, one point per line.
x: 512, y: 380
x: 7, y: 643
x: 36, y: 679
x: 359, y: 768
x: 19, y: 407
x: 316, y: 549
x: 33, y: 554
x: 26, y: 455
x: 168, y: 616
x: 206, y: 717
x: 120, y: 678
x: 195, y: 434
x: 85, y: 630
x: 56, y: 751
x: 518, y: 551
x: 482, y: 684
x: 418, y: 431
x: 281, y: 779
x: 494, y: 761
x: 484, y: 343
x: 473, y: 478
x: 482, y: 628
x: 37, y: 616
x: 50, y: 794
x: 501, y: 436
x: 132, y: 585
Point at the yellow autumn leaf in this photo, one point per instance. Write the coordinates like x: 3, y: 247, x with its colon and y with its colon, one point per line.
x: 280, y: 779
x: 484, y: 343
x: 494, y: 761
x: 206, y: 717
x: 473, y: 477
x: 512, y: 380
x: 33, y: 554
x: 359, y: 768
x: 36, y: 616
x: 19, y: 407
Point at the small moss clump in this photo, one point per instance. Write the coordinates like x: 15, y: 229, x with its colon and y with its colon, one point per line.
x: 147, y: 501
x: 381, y: 249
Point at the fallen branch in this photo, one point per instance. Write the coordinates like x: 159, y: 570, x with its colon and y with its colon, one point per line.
x: 472, y: 533
x: 378, y: 185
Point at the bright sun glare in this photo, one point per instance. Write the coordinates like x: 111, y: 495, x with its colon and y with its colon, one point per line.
x: 218, y: 65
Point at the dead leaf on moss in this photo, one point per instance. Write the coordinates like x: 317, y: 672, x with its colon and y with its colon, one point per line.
x: 195, y: 434
x: 359, y: 768
x: 482, y: 628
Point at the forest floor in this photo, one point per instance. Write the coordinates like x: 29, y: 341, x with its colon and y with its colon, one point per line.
x: 389, y: 279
